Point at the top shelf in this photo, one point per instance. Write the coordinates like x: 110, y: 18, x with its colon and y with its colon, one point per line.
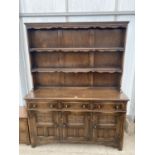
x: 77, y: 25
x: 76, y: 49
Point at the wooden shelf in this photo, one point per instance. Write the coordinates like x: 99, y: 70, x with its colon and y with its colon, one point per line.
x: 75, y: 25
x: 76, y: 70
x: 77, y: 49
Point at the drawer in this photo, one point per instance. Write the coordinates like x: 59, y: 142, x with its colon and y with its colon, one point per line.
x: 109, y: 106
x: 44, y: 105
x: 76, y: 105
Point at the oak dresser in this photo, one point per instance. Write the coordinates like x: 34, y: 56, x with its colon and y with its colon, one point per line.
x: 76, y: 71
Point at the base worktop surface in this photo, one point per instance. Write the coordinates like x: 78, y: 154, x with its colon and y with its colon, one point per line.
x: 77, y: 93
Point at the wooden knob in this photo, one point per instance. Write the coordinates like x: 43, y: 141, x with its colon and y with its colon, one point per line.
x: 117, y: 107
x: 83, y: 106
x: 34, y: 105
x: 51, y: 105
x: 66, y: 106
x: 99, y: 106
x: 64, y: 125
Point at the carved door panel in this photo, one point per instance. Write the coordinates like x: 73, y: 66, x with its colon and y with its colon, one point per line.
x: 104, y: 127
x: 75, y: 126
x: 43, y: 126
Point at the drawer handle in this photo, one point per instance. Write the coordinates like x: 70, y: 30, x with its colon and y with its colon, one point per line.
x: 83, y: 106
x: 51, y: 106
x: 99, y: 106
x: 117, y: 107
x: 66, y: 106
x: 95, y: 126
x: 34, y: 105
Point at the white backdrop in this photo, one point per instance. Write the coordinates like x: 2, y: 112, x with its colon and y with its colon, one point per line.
x: 78, y: 10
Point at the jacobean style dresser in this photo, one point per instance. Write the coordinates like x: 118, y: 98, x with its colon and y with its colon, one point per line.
x: 76, y: 72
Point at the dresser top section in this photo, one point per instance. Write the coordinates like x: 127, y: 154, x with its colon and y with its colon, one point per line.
x: 77, y: 93
x: 77, y: 25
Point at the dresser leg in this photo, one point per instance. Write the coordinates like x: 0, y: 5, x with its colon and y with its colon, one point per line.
x: 33, y: 145
x: 120, y: 146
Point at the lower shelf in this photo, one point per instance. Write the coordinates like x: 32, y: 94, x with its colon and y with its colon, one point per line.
x: 77, y: 70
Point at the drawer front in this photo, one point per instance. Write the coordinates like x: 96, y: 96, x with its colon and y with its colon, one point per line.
x: 44, y: 105
x: 76, y: 105
x: 109, y: 106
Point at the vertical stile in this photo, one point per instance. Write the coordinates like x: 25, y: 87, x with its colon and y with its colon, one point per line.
x: 91, y: 56
x: 61, y: 58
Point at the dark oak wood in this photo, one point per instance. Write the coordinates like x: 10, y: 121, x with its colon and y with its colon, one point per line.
x: 23, y: 126
x: 76, y: 70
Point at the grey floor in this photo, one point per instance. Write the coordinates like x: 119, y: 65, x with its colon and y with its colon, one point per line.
x: 79, y: 149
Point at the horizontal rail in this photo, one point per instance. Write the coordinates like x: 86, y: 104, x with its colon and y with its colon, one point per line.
x: 64, y: 14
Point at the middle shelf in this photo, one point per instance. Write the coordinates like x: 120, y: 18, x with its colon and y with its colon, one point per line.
x: 89, y: 49
x: 77, y: 70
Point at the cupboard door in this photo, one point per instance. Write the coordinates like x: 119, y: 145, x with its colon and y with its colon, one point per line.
x: 43, y: 126
x: 104, y: 127
x: 75, y: 126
